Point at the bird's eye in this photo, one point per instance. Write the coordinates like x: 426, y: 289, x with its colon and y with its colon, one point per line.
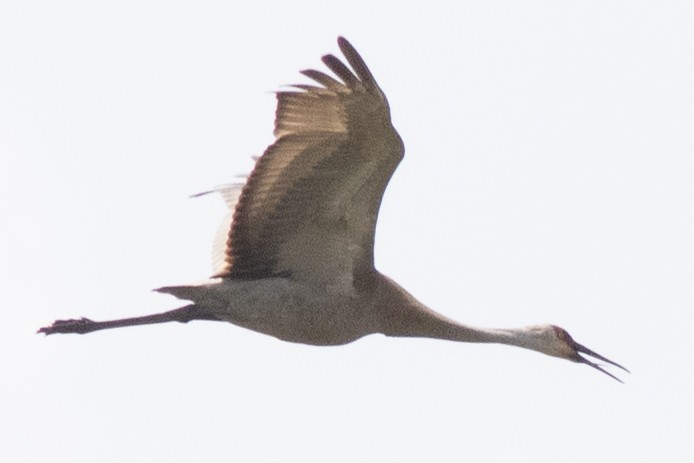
x: 561, y: 333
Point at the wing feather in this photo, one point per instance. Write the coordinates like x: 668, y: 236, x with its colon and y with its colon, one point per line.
x: 341, y: 70
x: 309, y: 208
x: 323, y: 79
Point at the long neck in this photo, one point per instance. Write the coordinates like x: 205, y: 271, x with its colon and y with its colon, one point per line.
x: 404, y: 316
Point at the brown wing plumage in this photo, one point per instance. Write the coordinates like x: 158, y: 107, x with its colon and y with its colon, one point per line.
x: 308, y: 210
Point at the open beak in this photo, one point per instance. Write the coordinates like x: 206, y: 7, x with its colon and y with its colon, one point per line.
x: 584, y: 350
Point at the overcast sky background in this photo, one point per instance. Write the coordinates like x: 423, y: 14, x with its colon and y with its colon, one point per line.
x: 548, y: 178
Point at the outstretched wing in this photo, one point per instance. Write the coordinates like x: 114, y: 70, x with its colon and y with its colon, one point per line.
x: 309, y: 208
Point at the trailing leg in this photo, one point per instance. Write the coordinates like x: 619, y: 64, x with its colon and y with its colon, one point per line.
x: 85, y: 325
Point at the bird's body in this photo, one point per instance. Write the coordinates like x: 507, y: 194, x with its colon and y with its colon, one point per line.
x: 297, y: 259
x: 316, y: 314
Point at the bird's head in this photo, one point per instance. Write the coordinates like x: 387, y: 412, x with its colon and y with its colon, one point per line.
x: 555, y: 341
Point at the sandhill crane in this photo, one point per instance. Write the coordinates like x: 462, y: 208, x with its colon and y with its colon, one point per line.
x: 298, y: 256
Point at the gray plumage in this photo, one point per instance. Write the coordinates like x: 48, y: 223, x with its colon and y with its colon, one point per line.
x: 297, y: 260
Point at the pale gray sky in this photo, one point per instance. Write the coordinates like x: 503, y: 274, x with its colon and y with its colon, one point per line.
x: 548, y: 177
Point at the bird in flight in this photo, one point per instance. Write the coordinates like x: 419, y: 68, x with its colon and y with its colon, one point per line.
x: 297, y: 259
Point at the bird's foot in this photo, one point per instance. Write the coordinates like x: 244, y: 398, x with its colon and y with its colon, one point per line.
x: 80, y: 326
